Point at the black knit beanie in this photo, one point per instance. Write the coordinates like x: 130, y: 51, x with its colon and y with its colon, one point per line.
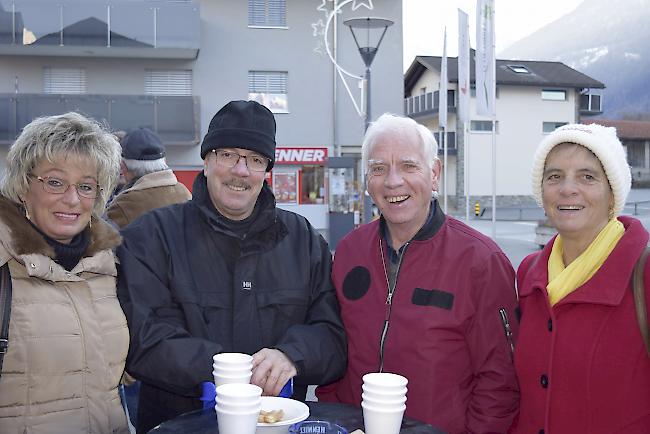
x: 242, y: 124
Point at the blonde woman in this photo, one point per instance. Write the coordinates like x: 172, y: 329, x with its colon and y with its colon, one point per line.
x: 68, y: 337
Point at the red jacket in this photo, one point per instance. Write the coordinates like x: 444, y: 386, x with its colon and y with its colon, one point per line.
x: 582, y: 365
x: 445, y: 334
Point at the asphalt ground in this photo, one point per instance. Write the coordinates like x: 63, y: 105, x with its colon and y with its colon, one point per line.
x: 517, y: 237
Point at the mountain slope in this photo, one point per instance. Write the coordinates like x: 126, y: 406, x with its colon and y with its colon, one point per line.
x: 607, y: 40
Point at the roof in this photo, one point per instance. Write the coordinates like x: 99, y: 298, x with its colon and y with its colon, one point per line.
x: 551, y: 74
x: 627, y: 129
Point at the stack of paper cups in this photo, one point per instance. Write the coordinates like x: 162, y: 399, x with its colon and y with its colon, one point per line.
x: 232, y: 368
x: 383, y: 402
x: 238, y: 406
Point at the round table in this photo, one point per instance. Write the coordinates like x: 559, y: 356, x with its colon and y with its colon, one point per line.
x: 205, y: 421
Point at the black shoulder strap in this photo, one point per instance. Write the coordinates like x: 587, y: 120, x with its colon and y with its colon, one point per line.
x: 639, y: 298
x: 5, y: 310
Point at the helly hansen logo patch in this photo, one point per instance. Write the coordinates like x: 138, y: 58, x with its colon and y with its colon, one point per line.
x: 356, y: 283
x: 433, y: 297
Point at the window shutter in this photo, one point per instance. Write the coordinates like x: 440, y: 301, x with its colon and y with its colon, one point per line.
x: 256, y: 12
x: 272, y: 13
x: 64, y: 80
x: 277, y: 13
x: 168, y: 82
x: 267, y: 82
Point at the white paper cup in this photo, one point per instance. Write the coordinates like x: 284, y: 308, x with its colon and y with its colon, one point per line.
x: 238, y: 406
x: 385, y: 380
x: 220, y: 380
x: 232, y: 368
x: 232, y: 359
x: 383, y: 401
x: 231, y: 372
x: 381, y: 421
x: 236, y: 422
x: 390, y: 392
x: 237, y: 392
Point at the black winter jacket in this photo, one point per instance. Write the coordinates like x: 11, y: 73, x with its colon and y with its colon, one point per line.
x: 191, y: 288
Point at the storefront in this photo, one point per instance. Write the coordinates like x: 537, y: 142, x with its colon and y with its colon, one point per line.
x: 299, y: 182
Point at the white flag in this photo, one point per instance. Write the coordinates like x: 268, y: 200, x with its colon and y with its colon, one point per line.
x: 485, y: 66
x: 463, y: 66
x: 442, y: 94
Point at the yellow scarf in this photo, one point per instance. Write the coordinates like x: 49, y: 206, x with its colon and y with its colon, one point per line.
x: 563, y: 281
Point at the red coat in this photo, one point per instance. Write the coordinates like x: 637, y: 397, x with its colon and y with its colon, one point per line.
x: 582, y: 365
x: 445, y: 333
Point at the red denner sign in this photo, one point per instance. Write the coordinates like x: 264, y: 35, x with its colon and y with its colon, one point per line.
x: 316, y: 156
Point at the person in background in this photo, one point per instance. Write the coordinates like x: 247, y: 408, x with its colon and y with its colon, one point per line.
x: 68, y: 336
x: 150, y: 183
x: 228, y: 272
x: 581, y: 362
x: 424, y: 295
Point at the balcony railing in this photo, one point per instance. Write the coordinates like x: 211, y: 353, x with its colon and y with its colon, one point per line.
x: 175, y: 118
x: 110, y: 28
x: 427, y: 103
x: 452, y: 147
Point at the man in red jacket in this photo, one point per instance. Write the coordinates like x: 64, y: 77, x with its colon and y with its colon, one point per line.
x: 424, y: 295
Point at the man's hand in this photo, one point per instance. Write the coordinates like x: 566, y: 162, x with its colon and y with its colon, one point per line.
x: 271, y: 370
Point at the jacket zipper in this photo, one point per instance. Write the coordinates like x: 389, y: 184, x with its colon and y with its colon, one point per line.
x: 507, y: 330
x: 389, y: 299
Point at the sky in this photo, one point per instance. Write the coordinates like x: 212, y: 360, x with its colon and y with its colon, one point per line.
x: 424, y: 23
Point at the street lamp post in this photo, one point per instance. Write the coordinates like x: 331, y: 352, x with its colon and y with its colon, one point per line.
x: 374, y: 29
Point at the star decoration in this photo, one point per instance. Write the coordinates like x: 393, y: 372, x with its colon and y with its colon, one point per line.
x: 319, y: 49
x: 319, y: 27
x: 358, y: 3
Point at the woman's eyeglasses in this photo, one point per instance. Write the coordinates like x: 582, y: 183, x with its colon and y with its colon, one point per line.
x: 53, y: 185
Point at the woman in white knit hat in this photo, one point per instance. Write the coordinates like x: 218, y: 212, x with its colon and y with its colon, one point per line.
x: 581, y: 359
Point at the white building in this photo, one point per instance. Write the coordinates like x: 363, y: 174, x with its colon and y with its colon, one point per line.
x: 170, y: 65
x: 532, y: 99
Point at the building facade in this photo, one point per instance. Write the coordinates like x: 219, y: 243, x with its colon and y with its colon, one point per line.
x: 170, y: 65
x: 532, y: 99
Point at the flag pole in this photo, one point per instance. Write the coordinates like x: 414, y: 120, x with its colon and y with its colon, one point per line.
x: 466, y: 158
x: 463, y: 97
x: 494, y: 127
x: 444, y: 170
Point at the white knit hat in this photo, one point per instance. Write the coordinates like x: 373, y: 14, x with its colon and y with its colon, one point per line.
x: 600, y: 140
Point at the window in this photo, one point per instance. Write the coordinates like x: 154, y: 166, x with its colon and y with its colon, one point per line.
x: 285, y: 186
x: 591, y: 103
x: 519, y: 69
x: 269, y: 89
x: 64, y: 80
x: 267, y: 13
x: 553, y: 95
x: 168, y: 82
x: 482, y: 126
x: 423, y: 90
x: 636, y: 154
x: 549, y: 127
x: 312, y: 185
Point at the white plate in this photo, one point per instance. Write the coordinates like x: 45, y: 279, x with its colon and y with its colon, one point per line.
x: 294, y: 412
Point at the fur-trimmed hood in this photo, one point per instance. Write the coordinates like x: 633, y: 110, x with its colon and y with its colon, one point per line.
x: 19, y: 237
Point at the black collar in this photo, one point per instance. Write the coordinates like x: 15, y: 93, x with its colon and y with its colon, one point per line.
x: 432, y: 225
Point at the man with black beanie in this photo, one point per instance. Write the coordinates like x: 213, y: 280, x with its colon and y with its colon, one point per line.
x: 228, y: 272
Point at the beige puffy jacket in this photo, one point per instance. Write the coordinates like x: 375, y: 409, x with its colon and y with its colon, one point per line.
x: 68, y: 337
